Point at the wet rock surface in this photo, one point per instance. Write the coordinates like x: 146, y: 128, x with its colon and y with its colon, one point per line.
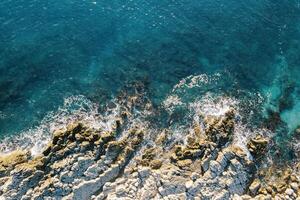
x: 85, y: 163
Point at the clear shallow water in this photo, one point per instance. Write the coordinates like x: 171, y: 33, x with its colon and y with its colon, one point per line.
x: 54, y: 50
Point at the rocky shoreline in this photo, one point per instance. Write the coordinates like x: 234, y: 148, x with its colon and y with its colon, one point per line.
x: 85, y: 163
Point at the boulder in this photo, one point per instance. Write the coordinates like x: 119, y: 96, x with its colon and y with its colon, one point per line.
x: 257, y: 146
x: 10, y: 160
x: 254, y: 187
x: 156, y: 164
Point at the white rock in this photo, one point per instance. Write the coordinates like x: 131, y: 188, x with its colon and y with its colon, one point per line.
x: 295, y: 186
x: 289, y: 192
x: 189, y: 184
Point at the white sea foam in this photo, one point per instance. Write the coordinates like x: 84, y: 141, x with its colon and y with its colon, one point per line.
x: 75, y: 108
x: 79, y: 108
x: 171, y: 102
x: 181, y: 92
x: 212, y: 104
x: 196, y: 81
x: 219, y: 106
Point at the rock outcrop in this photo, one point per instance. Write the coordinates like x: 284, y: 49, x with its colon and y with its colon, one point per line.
x: 85, y: 163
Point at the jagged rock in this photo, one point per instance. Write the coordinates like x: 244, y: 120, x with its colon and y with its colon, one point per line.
x: 280, y: 187
x: 191, y: 152
x: 257, y: 146
x: 294, y: 186
x: 9, y: 161
x: 220, y: 130
x: 162, y: 138
x: 84, y: 146
x: 184, y: 163
x: 84, y: 163
x: 294, y: 178
x: 114, y: 148
x: 148, y: 156
x: 254, y: 187
x: 156, y: 164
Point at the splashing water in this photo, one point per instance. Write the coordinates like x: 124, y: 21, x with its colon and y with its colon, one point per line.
x: 195, y: 96
x: 60, y: 61
x: 74, y: 109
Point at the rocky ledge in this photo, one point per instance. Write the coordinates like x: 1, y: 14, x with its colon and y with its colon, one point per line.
x: 128, y: 163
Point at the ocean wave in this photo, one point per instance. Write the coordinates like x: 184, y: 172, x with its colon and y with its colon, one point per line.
x: 74, y: 108
x: 199, y: 98
x: 192, y: 100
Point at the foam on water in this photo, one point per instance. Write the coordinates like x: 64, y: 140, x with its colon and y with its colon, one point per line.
x: 218, y: 106
x: 205, y: 102
x: 197, y: 81
x: 75, y: 108
x: 213, y: 106
x: 194, y: 87
x: 193, y: 98
x: 79, y: 108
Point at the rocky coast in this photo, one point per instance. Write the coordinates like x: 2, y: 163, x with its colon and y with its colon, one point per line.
x: 130, y: 162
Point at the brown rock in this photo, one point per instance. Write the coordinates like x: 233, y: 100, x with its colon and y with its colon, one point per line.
x: 269, y: 189
x: 107, y: 136
x: 58, y: 135
x: 155, y: 164
x: 9, y: 161
x: 197, y: 130
x: 161, y: 139
x: 280, y: 187
x: 257, y: 146
x: 75, y: 128
x: 255, y: 186
x: 47, y: 149
x: 220, y: 130
x: 294, y: 178
x: 37, y: 163
x: 114, y: 148
x: 84, y: 146
x: 184, y: 163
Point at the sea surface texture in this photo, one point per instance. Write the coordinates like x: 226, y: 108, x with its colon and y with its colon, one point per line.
x: 66, y: 60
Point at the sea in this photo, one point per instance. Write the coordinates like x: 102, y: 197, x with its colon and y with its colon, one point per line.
x: 67, y: 60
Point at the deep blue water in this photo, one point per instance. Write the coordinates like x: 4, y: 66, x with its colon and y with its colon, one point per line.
x: 51, y: 50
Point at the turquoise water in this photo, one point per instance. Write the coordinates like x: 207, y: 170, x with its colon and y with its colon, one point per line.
x: 53, y: 50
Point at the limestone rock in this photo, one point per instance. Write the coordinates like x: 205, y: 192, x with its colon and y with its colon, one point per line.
x: 131, y: 162
x: 9, y: 161
x: 257, y: 146
x: 254, y: 187
x: 155, y: 164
